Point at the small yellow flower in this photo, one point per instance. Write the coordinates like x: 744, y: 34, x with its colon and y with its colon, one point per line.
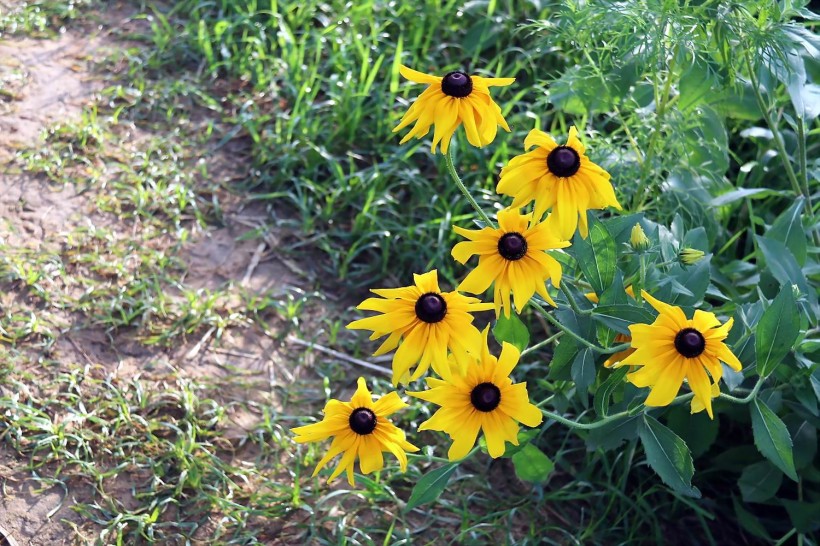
x: 513, y: 257
x: 360, y: 430
x: 674, y: 348
x: 427, y: 322
x: 483, y: 399
x: 449, y: 101
x: 560, y: 178
x: 690, y: 256
x: 638, y: 239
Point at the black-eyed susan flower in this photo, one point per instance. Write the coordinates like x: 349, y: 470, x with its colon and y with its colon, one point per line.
x: 483, y: 399
x: 674, y: 348
x: 360, y: 430
x: 427, y: 322
x: 513, y: 257
x: 449, y: 101
x: 560, y: 178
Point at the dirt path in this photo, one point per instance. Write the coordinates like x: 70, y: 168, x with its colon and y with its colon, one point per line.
x: 48, y: 81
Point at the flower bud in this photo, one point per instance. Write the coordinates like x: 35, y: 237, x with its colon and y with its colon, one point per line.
x: 638, y: 239
x: 690, y: 256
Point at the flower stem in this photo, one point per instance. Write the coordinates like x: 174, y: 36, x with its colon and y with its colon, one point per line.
x: 749, y: 397
x: 572, y: 303
x: 581, y: 340
x: 448, y: 157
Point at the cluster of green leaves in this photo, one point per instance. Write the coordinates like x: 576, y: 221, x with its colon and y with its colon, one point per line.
x: 40, y: 17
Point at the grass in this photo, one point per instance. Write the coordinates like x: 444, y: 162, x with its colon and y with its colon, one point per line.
x: 306, y: 96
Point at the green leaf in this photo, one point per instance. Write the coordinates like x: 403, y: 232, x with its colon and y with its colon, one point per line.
x: 788, y: 229
x: 740, y: 193
x: 669, y: 456
x: 776, y: 331
x: 694, y: 85
x: 532, y: 465
x: 693, y: 279
x: 596, y: 256
x: 804, y: 435
x: 782, y: 264
x: 772, y: 438
x: 430, y: 486
x: 604, y: 391
x: 511, y: 330
x: 760, y: 481
x: 803, y: 515
x: 583, y: 370
x: 749, y: 522
x: 620, y: 316
x: 612, y: 435
x: 565, y: 353
x: 697, y: 430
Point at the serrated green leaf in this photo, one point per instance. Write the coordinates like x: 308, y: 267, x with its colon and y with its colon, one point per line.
x: 596, y: 256
x: 669, y: 456
x: 430, y: 486
x: 620, y: 316
x: 760, y: 481
x: 565, y: 352
x: 691, y: 282
x: 697, y: 430
x: 511, y: 330
x: 532, y: 465
x: 772, y: 438
x: 604, y: 391
x: 776, y: 331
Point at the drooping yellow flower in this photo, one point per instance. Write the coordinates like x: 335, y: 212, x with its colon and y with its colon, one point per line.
x: 560, y: 178
x: 690, y: 256
x: 513, y: 257
x: 483, y: 399
x: 427, y: 322
x: 448, y: 102
x: 674, y: 348
x: 360, y: 430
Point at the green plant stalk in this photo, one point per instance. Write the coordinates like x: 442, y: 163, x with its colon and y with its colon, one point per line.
x: 457, y: 179
x: 641, y: 279
x: 542, y: 343
x: 778, y: 139
x: 601, y: 350
x: 572, y: 303
x: 748, y: 398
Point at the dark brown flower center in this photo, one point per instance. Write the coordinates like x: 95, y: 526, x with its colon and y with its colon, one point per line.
x: 689, y: 342
x: 485, y: 397
x: 431, y: 308
x: 512, y: 246
x: 457, y: 84
x: 563, y: 161
x: 362, y: 421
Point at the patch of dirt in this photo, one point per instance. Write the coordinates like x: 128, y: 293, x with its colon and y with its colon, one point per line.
x: 43, y: 81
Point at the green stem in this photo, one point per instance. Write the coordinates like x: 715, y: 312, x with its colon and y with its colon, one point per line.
x: 542, y: 343
x: 457, y: 179
x: 749, y: 397
x: 601, y: 350
x: 572, y: 303
x: 641, y: 279
x: 804, y: 174
x: 778, y: 138
x: 583, y: 426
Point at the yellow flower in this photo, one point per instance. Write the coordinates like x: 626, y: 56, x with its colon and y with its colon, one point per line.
x: 638, y: 239
x: 674, y: 348
x: 593, y: 297
x: 690, y: 256
x: 560, y: 178
x: 697, y: 406
x: 360, y: 429
x: 513, y: 257
x: 426, y: 321
x: 484, y: 399
x: 450, y: 101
